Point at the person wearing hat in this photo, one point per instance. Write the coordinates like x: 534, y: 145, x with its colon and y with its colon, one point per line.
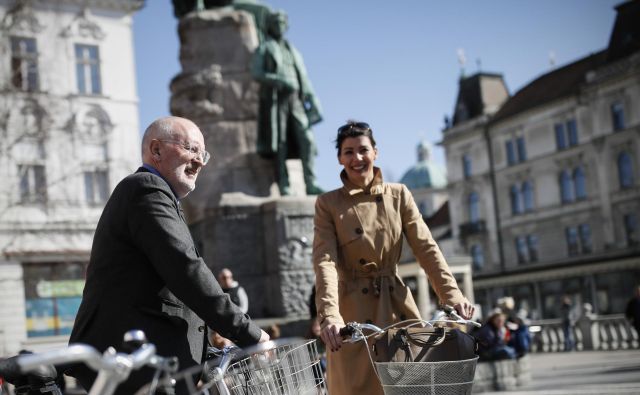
x: 491, y: 338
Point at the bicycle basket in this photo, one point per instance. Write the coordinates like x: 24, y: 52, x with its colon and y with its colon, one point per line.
x: 288, y: 369
x: 428, y: 378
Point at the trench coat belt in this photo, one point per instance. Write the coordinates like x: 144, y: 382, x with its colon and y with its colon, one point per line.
x: 379, y: 276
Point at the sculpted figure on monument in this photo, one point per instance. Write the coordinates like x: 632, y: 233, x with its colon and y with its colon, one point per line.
x: 183, y: 7
x: 288, y: 105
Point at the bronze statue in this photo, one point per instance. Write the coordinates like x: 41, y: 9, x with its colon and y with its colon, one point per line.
x: 288, y: 106
x: 183, y: 7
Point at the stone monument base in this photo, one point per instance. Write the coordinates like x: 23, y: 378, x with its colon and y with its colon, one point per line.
x: 267, y: 244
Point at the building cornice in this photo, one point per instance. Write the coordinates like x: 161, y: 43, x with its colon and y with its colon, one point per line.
x: 116, y: 5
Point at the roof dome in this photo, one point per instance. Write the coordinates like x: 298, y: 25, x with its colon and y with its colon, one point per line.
x: 425, y: 173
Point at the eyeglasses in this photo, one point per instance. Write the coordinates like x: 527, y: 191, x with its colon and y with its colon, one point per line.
x: 353, y: 125
x: 203, y: 156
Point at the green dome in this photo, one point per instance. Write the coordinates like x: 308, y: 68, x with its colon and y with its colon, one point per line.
x: 425, y: 173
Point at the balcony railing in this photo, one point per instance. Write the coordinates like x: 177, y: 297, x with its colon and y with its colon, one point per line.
x: 471, y: 228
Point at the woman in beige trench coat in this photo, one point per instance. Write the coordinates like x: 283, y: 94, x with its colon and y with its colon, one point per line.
x: 356, y: 247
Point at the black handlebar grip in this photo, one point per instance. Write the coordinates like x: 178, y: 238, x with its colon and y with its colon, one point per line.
x: 10, y: 370
x: 346, y: 331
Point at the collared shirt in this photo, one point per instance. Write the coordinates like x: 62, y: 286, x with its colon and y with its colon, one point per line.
x: 156, y: 172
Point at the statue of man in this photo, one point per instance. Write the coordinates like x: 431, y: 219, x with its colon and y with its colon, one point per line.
x: 183, y: 7
x: 288, y: 106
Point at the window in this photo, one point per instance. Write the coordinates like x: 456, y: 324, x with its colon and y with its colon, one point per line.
x: 631, y: 229
x: 566, y: 134
x: 561, y: 143
x: 53, y: 292
x: 585, y: 238
x: 474, y: 212
x: 572, y: 131
x: 96, y: 186
x: 88, y: 69
x: 527, y: 196
x: 579, y: 183
x: 516, y: 151
x: 522, y: 151
x: 24, y: 64
x: 532, y: 247
x: 521, y: 249
x: 33, y: 184
x: 566, y: 187
x: 571, y: 235
x: 477, y: 257
x: 579, y: 239
x: 511, y: 153
x: 514, y: 195
x: 466, y: 166
x: 617, y: 116
x: 625, y: 170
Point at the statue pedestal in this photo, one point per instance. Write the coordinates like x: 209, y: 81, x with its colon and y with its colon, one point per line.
x: 236, y: 213
x: 267, y: 245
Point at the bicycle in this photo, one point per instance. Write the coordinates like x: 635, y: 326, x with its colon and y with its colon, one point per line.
x: 284, y: 367
x: 426, y: 374
x: 35, y: 373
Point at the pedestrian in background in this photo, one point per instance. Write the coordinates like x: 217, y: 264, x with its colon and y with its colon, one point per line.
x: 567, y: 314
x: 235, y: 291
x: 492, y: 338
x: 633, y: 309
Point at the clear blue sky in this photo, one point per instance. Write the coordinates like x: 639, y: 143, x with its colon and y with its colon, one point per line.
x: 394, y: 64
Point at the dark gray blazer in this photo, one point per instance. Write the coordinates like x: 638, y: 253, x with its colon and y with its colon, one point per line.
x: 145, y: 273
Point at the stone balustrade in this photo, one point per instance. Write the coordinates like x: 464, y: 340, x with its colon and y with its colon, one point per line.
x: 591, y: 332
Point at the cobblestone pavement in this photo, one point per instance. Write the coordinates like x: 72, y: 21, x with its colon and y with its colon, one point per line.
x: 585, y: 372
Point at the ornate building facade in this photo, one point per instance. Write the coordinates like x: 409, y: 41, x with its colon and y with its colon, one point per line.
x: 545, y: 184
x: 69, y: 126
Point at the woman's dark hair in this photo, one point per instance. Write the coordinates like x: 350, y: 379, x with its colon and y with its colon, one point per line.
x: 354, y: 129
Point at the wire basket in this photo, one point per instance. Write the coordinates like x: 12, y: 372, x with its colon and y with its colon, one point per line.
x: 428, y: 378
x: 292, y: 368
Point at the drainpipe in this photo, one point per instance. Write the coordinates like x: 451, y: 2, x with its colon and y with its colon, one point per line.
x: 494, y: 189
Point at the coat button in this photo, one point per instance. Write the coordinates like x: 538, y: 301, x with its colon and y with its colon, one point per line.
x: 369, y: 322
x: 378, y: 199
x: 390, y: 288
x: 201, y: 328
x: 365, y: 290
x: 403, y: 317
x: 363, y: 261
x: 359, y: 231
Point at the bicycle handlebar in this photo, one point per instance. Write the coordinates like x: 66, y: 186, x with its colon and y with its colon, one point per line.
x: 90, y: 356
x: 354, y: 330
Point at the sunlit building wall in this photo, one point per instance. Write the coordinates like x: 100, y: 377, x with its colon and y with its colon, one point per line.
x: 545, y: 184
x: 69, y: 126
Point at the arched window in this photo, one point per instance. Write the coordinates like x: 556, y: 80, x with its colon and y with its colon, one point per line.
x: 579, y: 183
x: 566, y: 187
x: 474, y: 209
x: 477, y: 257
x: 514, y: 195
x: 625, y: 170
x: 527, y: 196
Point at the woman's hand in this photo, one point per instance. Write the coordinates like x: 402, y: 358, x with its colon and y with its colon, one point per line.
x: 330, y: 335
x: 264, y: 337
x: 465, y: 309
